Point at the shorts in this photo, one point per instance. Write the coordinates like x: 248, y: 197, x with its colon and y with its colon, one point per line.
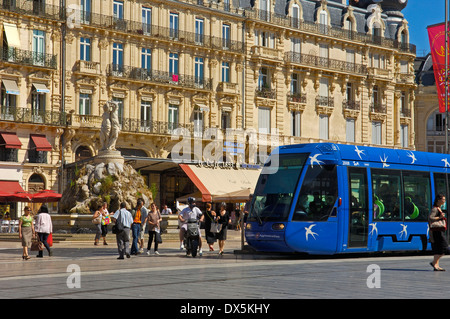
x: 142, y: 232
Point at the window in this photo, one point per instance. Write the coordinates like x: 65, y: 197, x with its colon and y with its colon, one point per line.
x: 295, y: 16
x: 226, y: 36
x: 404, y: 135
x: 146, y: 59
x: 263, y: 82
x: 404, y: 67
x: 386, y: 185
x: 118, y: 10
x: 85, y: 49
x: 199, y: 72
x: 264, y: 120
x: 120, y: 109
x: 117, y: 62
x: 264, y: 6
x: 276, y: 188
x: 376, y: 132
x: 350, y: 130
x: 146, y: 115
x: 225, y: 119
x: 198, y: 123
x: 349, y: 92
x: 85, y: 11
x: 225, y: 72
x: 199, y: 30
x: 323, y: 127
x: 323, y: 22
x: 173, y: 24
x: 173, y: 65
x: 173, y: 117
x: 85, y: 104
x: 440, y: 187
x: 295, y: 84
x: 147, y: 20
x: 296, y: 46
x: 417, y: 195
x: 318, y: 194
x: 323, y: 88
x: 295, y: 123
x: 323, y: 51
x: 35, y: 156
x: 359, y: 207
x: 38, y: 47
x: 38, y: 106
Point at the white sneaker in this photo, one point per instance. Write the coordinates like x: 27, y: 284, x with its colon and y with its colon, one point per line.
x: 148, y: 252
x: 156, y: 253
x: 200, y: 252
x: 182, y: 246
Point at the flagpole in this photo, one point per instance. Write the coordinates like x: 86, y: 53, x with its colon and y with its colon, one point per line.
x: 446, y: 76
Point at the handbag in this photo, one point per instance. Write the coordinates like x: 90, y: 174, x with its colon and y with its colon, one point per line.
x: 158, y: 237
x: 50, y: 240
x: 118, y: 227
x: 36, y: 245
x: 97, y: 220
x: 439, y: 225
x: 215, y: 227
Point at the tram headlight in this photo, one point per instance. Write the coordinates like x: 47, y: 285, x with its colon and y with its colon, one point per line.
x: 278, y: 226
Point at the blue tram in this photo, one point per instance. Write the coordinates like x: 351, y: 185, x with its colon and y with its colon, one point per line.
x: 326, y: 198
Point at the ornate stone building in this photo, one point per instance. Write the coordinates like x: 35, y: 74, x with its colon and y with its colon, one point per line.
x: 256, y: 73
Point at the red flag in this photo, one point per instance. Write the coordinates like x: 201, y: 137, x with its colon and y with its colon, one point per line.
x: 436, y: 34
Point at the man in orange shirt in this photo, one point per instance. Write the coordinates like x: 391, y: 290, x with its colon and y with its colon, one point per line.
x: 136, y: 226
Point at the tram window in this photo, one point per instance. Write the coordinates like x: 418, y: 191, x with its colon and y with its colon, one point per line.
x: 276, y: 187
x: 386, y: 188
x: 417, y: 195
x: 440, y: 187
x: 318, y: 194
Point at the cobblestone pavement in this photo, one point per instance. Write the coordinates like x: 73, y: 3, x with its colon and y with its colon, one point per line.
x: 81, y: 270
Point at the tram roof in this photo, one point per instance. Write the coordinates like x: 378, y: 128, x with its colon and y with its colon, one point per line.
x: 356, y: 154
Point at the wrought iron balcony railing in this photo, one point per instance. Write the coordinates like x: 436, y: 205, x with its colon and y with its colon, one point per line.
x: 352, y: 105
x: 378, y: 107
x: 297, y: 97
x: 31, y: 7
x: 130, y: 72
x: 25, y: 57
x: 26, y: 115
x: 327, y: 101
x: 313, y: 60
x: 266, y: 93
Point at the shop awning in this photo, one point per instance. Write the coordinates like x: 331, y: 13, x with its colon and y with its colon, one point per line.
x: 11, y: 87
x: 11, y: 140
x: 12, y: 35
x: 215, y: 181
x: 41, y: 88
x: 41, y: 143
x: 11, y: 191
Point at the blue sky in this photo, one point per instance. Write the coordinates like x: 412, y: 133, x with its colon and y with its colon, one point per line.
x: 420, y: 14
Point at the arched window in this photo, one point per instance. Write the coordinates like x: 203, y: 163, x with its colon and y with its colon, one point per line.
x: 82, y: 153
x: 36, y: 183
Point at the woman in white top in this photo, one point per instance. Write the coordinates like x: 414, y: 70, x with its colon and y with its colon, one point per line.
x: 43, y: 227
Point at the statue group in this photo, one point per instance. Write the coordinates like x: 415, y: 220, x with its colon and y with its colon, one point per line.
x: 110, y: 129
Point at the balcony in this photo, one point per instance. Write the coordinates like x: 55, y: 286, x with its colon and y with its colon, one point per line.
x: 322, y: 62
x: 158, y: 32
x: 227, y: 88
x: 378, y: 108
x: 87, y: 67
x: 265, y: 53
x: 266, y: 93
x: 36, y: 8
x: 26, y: 115
x: 156, y: 76
x: 332, y: 32
x: 297, y: 98
x: 31, y: 58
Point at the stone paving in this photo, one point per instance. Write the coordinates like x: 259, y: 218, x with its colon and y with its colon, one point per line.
x: 232, y: 276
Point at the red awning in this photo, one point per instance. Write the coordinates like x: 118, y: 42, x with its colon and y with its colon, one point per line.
x: 41, y: 143
x: 11, y: 140
x: 206, y: 195
x: 11, y: 191
x: 45, y: 196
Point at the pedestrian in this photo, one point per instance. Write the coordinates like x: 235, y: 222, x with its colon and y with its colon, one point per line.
x: 97, y: 221
x: 26, y: 231
x: 144, y: 214
x: 136, y: 226
x: 223, y: 219
x: 43, y: 227
x: 437, y: 237
x: 246, y: 210
x: 124, y: 217
x: 106, y: 220
x: 166, y: 211
x: 210, y: 217
x: 153, y: 220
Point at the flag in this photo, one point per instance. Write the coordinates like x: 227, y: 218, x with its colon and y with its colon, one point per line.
x: 436, y: 35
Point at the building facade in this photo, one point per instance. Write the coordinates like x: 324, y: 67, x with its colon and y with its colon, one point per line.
x: 252, y: 73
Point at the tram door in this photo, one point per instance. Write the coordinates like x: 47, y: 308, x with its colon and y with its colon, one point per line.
x: 358, y: 207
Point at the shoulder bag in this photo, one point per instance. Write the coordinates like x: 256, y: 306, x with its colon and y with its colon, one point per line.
x: 97, y: 220
x: 439, y: 225
x: 118, y: 226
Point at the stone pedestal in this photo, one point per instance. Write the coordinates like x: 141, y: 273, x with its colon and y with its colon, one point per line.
x: 109, y: 157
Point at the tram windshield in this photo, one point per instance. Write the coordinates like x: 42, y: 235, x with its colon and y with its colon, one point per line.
x: 276, y: 187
